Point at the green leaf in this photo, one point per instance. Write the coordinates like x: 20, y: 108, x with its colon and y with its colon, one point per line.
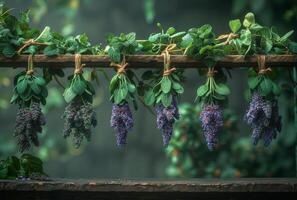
x: 246, y: 37
x: 35, y: 88
x: 113, y: 83
x: 40, y: 81
x: 222, y: 89
x: 8, y: 51
x: 202, y: 90
x: 131, y: 88
x: 235, y: 25
x: 293, y: 47
x: 149, y: 97
x: 78, y: 85
x: 286, y: 36
x: 253, y: 82
x: 165, y: 84
x: 69, y: 95
x: 166, y: 99
x: 170, y: 31
x: 249, y: 19
x: 266, y: 86
x: 177, y: 88
x: 22, y: 86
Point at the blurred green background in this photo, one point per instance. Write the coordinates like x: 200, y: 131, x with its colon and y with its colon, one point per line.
x: 144, y: 156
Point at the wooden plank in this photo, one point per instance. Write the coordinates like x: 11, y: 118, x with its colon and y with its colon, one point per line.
x: 148, y: 61
x: 149, y: 189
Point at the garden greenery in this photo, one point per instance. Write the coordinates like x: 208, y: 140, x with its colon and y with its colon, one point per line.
x: 159, y: 88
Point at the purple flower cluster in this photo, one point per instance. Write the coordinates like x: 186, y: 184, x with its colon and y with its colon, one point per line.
x: 79, y: 118
x: 166, y: 116
x: 122, y: 121
x: 264, y: 119
x: 211, y: 118
x: 29, y: 122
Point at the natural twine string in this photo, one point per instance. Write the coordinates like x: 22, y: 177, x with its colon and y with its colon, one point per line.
x: 263, y: 69
x: 211, y: 72
x: 78, y: 65
x: 228, y: 37
x: 166, y: 53
x: 29, y: 43
x: 30, y: 69
x: 121, y: 68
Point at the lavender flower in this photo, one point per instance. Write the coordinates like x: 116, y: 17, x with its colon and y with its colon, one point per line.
x: 264, y: 119
x: 79, y: 118
x: 29, y: 122
x: 122, y: 121
x: 166, y: 116
x: 211, y: 118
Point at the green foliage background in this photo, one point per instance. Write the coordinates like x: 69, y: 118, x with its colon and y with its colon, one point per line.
x: 144, y: 155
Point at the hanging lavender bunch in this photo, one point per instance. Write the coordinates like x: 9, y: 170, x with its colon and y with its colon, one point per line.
x: 166, y: 117
x: 79, y: 115
x: 263, y: 117
x: 29, y: 92
x: 122, y: 122
x: 122, y: 86
x: 212, y: 95
x: 164, y: 97
x: 211, y: 118
x: 262, y: 114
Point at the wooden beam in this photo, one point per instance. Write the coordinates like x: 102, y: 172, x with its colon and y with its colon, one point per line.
x: 109, y: 189
x: 147, y: 61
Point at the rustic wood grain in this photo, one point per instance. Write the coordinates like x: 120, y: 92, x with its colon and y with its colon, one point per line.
x: 149, y: 189
x: 148, y: 61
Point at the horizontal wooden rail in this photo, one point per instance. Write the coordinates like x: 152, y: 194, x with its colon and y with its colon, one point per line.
x: 148, y: 61
x: 148, y: 189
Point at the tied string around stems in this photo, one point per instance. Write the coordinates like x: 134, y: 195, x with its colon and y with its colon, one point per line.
x: 78, y: 65
x: 227, y: 38
x: 263, y: 69
x: 211, y: 72
x: 30, y: 69
x: 121, y: 68
x: 29, y: 43
x: 167, y: 62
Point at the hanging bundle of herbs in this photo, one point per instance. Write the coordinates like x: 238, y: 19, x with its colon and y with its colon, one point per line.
x: 122, y: 87
x: 163, y: 96
x: 213, y: 94
x: 29, y: 92
x: 79, y: 116
x: 262, y: 114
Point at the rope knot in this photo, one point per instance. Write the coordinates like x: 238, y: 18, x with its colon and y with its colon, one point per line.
x: 263, y: 69
x: 169, y: 71
x: 211, y: 72
x: 78, y: 65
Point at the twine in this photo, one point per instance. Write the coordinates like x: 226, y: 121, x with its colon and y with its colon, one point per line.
x: 167, y: 61
x: 29, y: 43
x: 78, y: 65
x: 121, y: 68
x: 228, y: 37
x: 211, y: 72
x: 263, y: 69
x: 30, y: 69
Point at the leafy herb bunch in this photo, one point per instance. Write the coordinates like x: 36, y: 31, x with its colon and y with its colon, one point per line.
x: 29, y: 92
x: 253, y: 38
x: 122, y: 86
x: 263, y: 114
x: 79, y: 116
x: 25, y: 167
x: 213, y: 94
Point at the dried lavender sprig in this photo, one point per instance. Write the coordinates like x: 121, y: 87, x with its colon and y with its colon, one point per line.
x: 122, y: 122
x: 29, y: 122
x: 211, y: 118
x: 263, y: 117
x: 79, y: 118
x: 166, y: 116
